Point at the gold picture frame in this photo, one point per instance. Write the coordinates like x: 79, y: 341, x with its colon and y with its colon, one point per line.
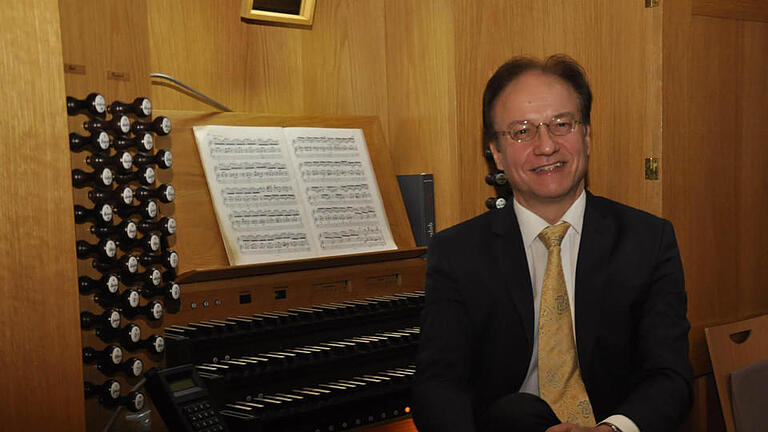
x: 295, y: 12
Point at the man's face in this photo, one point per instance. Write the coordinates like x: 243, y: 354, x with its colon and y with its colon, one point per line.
x: 548, y: 170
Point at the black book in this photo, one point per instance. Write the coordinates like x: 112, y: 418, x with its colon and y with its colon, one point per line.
x: 419, y: 198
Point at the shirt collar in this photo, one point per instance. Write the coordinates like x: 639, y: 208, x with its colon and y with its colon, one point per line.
x: 531, y: 224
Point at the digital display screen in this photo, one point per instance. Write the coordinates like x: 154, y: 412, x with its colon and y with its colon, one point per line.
x: 280, y: 6
x: 181, y: 384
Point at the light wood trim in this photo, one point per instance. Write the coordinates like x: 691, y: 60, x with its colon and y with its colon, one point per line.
x: 747, y: 10
x: 304, y: 17
x: 42, y: 383
x: 199, y: 241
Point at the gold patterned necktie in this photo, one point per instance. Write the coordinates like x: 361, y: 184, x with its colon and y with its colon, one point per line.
x: 560, y: 381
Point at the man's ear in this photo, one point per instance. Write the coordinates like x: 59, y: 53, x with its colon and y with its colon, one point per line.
x: 497, y: 156
x: 587, y: 138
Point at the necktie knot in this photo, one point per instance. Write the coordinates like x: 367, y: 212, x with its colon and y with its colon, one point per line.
x: 553, y: 235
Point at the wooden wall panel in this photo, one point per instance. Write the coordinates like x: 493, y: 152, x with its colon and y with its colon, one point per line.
x: 750, y: 10
x: 41, y: 386
x: 618, y: 43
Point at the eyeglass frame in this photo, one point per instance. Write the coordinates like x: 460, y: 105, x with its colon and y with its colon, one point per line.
x: 509, y: 132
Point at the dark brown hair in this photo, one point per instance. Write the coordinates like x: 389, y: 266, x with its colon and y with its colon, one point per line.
x: 559, y: 65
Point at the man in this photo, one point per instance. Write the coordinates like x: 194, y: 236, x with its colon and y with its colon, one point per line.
x: 563, y: 311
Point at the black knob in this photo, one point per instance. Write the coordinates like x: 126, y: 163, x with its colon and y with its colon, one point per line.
x: 163, y: 159
x: 496, y: 179
x: 495, y: 203
x: 99, y: 214
x: 171, y: 291
x: 160, y: 125
x: 141, y: 142
x: 152, y: 276
x: 148, y: 243
x: 154, y: 344
x: 122, y: 161
x: 153, y: 310
x: 144, y: 175
x: 106, y: 285
x: 129, y: 334
x: 140, y: 107
x: 126, y: 301
x: 488, y: 154
x: 124, y: 232
x: 100, y: 178
x: 105, y: 249
x: 108, y: 392
x: 111, y: 356
x: 94, y: 105
x: 169, y: 259
x: 125, y: 267
x: 116, y: 125
x: 166, y: 226
x: 146, y: 210
x: 123, y: 195
x: 109, y: 320
x: 96, y: 141
x: 165, y: 193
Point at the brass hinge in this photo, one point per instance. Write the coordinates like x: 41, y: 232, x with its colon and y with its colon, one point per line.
x: 651, y: 168
x: 652, y: 3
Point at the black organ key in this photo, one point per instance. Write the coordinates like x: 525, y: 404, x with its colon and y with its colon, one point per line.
x: 142, y: 142
x: 153, y: 310
x: 163, y: 159
x: 140, y: 107
x: 105, y: 249
x: 144, y: 175
x: 169, y: 259
x: 170, y: 291
x: 496, y: 179
x: 122, y: 195
x: 94, y: 105
x: 126, y: 266
x: 109, y: 357
x: 160, y: 125
x: 149, y: 243
x: 122, y: 161
x: 109, y: 320
x: 118, y: 124
x: 146, y: 210
x: 100, y: 178
x: 126, y: 301
x: 165, y: 193
x: 154, y: 344
x: 108, y: 284
x: 124, y: 232
x: 97, y: 141
x: 166, y: 226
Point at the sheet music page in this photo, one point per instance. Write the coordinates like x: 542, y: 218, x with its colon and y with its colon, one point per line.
x: 252, y: 184
x: 291, y: 193
x: 343, y: 201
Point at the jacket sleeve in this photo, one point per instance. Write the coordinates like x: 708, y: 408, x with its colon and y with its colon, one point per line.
x: 442, y: 399
x: 662, y: 392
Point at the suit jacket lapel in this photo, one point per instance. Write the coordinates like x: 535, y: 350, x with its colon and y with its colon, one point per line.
x: 515, y: 279
x: 598, y: 236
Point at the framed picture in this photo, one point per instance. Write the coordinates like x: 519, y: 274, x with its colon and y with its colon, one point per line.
x: 297, y: 12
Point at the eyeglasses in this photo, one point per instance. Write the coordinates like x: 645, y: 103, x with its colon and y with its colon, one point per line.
x: 525, y: 130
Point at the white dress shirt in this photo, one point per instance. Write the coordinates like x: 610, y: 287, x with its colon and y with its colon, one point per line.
x: 531, y: 225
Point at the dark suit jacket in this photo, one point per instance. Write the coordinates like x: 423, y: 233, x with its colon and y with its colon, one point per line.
x: 631, y: 327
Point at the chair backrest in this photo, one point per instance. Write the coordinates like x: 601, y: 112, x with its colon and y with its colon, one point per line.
x: 732, y: 347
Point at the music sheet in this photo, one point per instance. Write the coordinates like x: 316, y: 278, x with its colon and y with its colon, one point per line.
x: 291, y: 193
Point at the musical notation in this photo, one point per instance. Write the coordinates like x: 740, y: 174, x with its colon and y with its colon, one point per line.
x: 221, y: 146
x: 341, y: 194
x: 279, y: 243
x: 358, y: 237
x: 265, y: 219
x: 326, y: 170
x: 249, y: 172
x: 343, y: 216
x: 268, y: 195
x: 323, y: 146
